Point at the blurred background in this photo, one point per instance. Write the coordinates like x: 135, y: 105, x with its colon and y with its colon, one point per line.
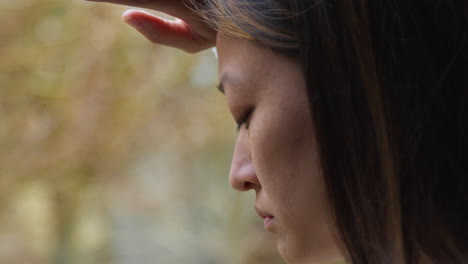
x: 112, y: 149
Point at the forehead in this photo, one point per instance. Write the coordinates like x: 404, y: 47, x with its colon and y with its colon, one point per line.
x: 239, y: 56
x: 245, y: 66
x: 244, y: 63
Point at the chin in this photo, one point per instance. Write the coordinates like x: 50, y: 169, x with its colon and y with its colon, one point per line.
x: 295, y: 252
x: 289, y: 250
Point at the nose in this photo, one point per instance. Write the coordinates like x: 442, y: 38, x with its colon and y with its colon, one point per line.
x: 242, y: 176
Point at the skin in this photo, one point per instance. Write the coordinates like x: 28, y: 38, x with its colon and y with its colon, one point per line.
x: 275, y: 154
x: 186, y: 32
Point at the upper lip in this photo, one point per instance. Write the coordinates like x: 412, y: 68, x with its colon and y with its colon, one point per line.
x: 262, y: 213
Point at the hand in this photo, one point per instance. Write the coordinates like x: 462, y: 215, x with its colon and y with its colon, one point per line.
x: 188, y: 32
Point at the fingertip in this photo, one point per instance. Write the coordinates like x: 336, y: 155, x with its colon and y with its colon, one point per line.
x: 129, y: 18
x: 136, y: 13
x: 127, y: 15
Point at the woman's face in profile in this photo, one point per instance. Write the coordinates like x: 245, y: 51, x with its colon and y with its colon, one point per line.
x: 276, y: 154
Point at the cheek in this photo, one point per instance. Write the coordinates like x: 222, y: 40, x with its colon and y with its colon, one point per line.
x: 282, y: 147
x: 285, y: 157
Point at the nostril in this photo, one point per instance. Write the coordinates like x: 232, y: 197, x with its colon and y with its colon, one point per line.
x: 248, y: 186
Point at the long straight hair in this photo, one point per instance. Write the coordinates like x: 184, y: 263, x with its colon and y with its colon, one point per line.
x: 388, y: 90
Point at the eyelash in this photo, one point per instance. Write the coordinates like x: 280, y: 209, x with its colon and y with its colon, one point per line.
x: 244, y: 120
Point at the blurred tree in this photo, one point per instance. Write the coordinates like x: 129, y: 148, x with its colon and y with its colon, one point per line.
x: 107, y: 140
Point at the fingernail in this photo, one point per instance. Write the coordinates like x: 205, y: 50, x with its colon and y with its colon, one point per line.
x: 134, y: 23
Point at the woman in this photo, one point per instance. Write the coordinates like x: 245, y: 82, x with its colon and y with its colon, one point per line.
x: 352, y: 119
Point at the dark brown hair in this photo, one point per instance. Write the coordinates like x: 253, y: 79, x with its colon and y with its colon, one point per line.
x: 388, y: 89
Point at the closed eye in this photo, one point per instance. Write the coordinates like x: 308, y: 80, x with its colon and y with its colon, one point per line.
x: 244, y: 120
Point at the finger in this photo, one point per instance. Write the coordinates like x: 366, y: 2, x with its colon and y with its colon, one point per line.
x: 177, y: 33
x: 171, y: 7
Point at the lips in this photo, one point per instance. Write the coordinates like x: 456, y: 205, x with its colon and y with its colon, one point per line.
x: 267, y: 218
x: 262, y: 213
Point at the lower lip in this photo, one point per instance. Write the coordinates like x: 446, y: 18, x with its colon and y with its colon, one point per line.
x: 267, y: 222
